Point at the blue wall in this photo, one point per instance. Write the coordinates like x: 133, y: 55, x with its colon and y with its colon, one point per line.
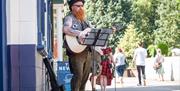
x: 22, y: 67
x: 3, y: 81
x: 1, y: 52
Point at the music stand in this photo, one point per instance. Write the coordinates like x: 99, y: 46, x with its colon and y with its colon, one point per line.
x: 96, y: 37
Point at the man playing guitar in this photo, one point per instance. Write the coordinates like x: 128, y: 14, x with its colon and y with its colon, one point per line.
x: 76, y: 26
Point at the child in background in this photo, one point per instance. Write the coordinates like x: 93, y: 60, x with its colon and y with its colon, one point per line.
x: 107, y: 64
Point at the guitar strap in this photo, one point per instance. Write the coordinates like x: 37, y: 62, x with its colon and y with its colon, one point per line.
x: 84, y: 25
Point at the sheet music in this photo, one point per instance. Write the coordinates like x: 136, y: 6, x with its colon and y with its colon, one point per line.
x: 97, y: 37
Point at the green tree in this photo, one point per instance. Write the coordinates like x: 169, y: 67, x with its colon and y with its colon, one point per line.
x: 152, y: 50
x: 164, y: 48
x: 168, y: 30
x: 95, y: 12
x: 104, y: 13
x: 126, y: 8
x: 129, y: 41
x: 66, y: 8
x: 144, y: 16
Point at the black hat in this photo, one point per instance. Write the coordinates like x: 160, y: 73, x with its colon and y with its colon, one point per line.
x: 71, y: 2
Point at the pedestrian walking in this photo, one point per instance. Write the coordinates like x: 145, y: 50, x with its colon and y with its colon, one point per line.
x: 140, y: 55
x: 120, y: 61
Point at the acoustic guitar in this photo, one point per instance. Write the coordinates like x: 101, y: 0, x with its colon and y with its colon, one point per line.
x: 76, y: 47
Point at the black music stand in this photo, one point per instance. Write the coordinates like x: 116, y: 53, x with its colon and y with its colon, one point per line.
x: 96, y: 37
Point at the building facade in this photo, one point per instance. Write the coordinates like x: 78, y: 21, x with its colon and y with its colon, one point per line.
x: 26, y: 30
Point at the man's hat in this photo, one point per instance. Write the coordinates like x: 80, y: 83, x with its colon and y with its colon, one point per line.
x: 71, y: 2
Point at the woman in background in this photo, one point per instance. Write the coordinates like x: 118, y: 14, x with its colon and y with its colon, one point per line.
x: 120, y: 61
x: 159, y: 59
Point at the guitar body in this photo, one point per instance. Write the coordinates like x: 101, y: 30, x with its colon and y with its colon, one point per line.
x: 74, y: 45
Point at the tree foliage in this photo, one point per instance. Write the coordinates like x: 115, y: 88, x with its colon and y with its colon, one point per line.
x: 129, y: 41
x: 163, y: 47
x: 144, y: 16
x: 104, y: 14
x: 168, y: 30
x: 151, y: 50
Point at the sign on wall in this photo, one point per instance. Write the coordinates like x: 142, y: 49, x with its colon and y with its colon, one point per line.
x: 64, y: 75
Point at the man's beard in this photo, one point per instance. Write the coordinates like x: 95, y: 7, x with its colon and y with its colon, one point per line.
x: 80, y: 14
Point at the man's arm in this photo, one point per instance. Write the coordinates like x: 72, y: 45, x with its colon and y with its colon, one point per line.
x: 70, y: 31
x: 67, y: 27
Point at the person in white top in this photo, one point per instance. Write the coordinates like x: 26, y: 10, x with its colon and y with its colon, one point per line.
x: 119, y: 58
x: 140, y: 55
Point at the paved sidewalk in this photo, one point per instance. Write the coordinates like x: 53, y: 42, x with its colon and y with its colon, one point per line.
x: 130, y: 84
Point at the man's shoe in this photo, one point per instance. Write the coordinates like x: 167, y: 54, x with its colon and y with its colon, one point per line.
x: 138, y: 84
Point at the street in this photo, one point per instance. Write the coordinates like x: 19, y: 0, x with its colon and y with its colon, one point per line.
x: 130, y: 84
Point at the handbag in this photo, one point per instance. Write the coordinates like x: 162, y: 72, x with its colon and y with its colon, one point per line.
x: 157, y: 66
x: 158, y: 63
